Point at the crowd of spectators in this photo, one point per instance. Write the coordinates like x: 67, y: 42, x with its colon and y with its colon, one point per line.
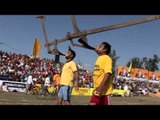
x: 136, y: 87
x: 17, y: 67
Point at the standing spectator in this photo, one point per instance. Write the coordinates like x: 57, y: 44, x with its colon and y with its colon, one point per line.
x: 29, y: 84
x: 56, y: 79
x: 46, y: 85
x: 103, y: 82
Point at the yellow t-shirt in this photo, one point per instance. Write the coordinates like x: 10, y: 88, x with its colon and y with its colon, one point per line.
x: 67, y: 75
x: 102, y: 66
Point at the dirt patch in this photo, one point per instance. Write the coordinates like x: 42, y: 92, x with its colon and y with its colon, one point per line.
x: 15, y: 98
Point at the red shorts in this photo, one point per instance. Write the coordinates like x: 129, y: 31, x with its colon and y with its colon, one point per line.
x: 100, y: 100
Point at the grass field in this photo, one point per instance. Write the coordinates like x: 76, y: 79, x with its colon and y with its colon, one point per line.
x: 15, y: 98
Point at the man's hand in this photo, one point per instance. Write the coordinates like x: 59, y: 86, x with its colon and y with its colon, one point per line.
x: 98, y: 91
x: 76, y: 88
x: 76, y: 83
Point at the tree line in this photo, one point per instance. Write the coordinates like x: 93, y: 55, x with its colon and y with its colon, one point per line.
x: 148, y: 63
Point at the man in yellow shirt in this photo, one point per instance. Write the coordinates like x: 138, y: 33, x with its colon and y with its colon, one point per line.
x: 102, y: 79
x: 56, y: 79
x: 68, y: 75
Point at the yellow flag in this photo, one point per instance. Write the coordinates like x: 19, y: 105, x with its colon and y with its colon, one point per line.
x: 36, y: 48
x: 130, y: 67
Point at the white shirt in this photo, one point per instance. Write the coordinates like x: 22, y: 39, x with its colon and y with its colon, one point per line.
x: 125, y: 87
x: 47, y: 81
x: 30, y: 80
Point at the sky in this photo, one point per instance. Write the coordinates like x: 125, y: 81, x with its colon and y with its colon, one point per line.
x: 17, y: 33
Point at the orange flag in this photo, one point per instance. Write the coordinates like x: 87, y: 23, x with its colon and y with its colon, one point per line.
x: 36, y: 48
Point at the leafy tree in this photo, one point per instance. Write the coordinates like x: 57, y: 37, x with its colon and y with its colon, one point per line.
x: 136, y: 63
x: 114, y: 57
x: 150, y: 64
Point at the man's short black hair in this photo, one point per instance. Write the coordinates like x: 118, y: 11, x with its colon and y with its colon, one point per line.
x: 72, y: 51
x: 107, y: 46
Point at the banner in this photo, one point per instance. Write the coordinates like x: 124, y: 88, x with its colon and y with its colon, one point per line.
x: 12, y: 86
x: 121, y: 68
x: 154, y: 75
x: 144, y: 73
x: 83, y: 92
x: 36, y: 48
x: 122, y: 93
x: 88, y: 92
x: 137, y: 72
